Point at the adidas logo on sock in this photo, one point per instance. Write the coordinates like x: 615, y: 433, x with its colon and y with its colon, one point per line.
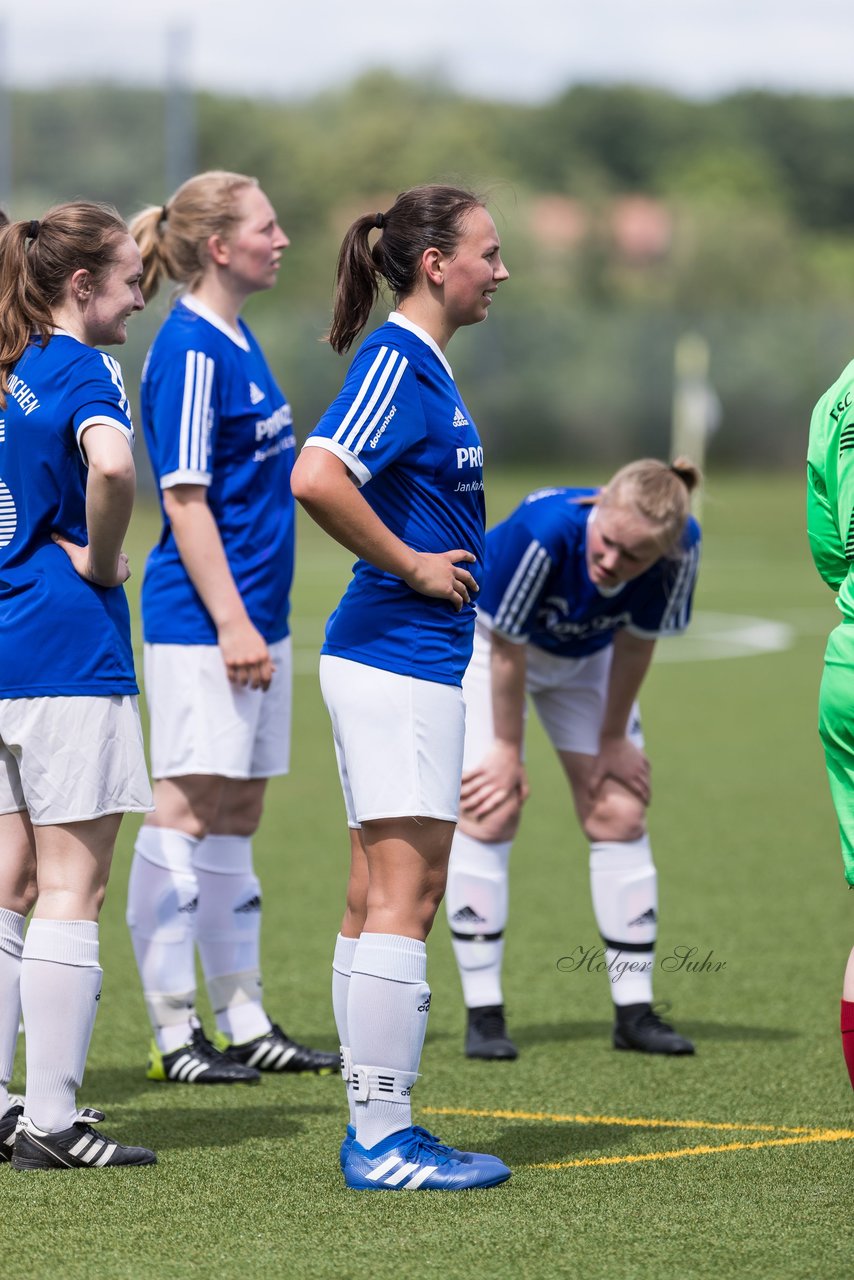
x: 256, y: 395
x: 467, y: 915
x: 246, y: 908
x: 460, y: 419
x: 648, y: 917
x: 191, y: 906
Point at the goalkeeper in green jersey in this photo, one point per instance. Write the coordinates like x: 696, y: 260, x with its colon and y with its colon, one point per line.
x: 830, y: 525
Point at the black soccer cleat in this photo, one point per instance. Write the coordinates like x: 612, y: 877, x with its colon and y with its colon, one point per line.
x: 198, y: 1063
x: 275, y: 1051
x: 8, y: 1123
x: 639, y: 1027
x: 79, y: 1147
x: 486, y: 1034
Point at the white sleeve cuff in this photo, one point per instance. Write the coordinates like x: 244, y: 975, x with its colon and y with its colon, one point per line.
x: 184, y: 477
x: 99, y: 420
x: 351, y: 462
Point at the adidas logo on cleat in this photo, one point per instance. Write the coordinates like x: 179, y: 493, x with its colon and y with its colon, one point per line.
x: 396, y: 1171
x: 275, y: 1051
x: 198, y: 1062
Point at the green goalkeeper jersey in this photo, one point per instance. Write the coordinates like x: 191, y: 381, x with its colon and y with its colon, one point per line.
x: 830, y: 489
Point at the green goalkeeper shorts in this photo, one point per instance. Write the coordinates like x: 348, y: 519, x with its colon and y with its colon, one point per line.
x: 836, y: 726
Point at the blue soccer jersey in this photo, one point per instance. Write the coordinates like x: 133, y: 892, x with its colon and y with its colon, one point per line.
x: 536, y: 588
x: 59, y: 634
x: 213, y: 415
x: 402, y: 428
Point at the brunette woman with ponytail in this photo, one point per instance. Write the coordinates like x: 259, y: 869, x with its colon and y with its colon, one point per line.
x: 394, y: 471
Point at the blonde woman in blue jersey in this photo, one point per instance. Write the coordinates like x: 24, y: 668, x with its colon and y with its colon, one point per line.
x: 71, y: 757
x: 215, y: 603
x: 577, y: 587
x: 830, y: 526
x: 394, y: 472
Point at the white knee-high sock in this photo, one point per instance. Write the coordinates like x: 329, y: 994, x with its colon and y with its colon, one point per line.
x: 476, y: 903
x: 60, y: 988
x: 228, y: 935
x: 163, y: 897
x: 11, y: 949
x: 342, y: 965
x: 625, y: 903
x: 387, y: 1009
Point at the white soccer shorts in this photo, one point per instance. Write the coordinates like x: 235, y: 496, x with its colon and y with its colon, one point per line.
x: 72, y: 759
x: 202, y: 723
x: 398, y: 741
x: 569, y: 695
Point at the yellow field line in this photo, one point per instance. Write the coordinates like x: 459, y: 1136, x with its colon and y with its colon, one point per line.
x: 633, y: 1121
x: 818, y: 1135
x: 801, y: 1134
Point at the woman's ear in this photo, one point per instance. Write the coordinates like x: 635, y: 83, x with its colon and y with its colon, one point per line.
x: 432, y: 265
x: 219, y: 250
x: 81, y: 284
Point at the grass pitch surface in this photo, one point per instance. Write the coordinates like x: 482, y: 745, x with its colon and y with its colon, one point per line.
x: 734, y: 1163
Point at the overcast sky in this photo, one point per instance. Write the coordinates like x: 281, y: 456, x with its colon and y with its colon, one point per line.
x: 524, y: 50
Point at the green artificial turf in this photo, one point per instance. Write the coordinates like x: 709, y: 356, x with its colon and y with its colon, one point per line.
x: 247, y: 1182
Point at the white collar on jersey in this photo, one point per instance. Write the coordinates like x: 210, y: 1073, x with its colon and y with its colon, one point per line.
x: 200, y: 309
x: 397, y: 318
x: 607, y: 592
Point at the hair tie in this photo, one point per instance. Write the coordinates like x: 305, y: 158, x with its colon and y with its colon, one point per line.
x: 680, y: 475
x: 33, y: 228
x: 164, y: 214
x: 379, y: 220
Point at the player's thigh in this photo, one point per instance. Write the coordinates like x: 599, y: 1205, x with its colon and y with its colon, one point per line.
x: 407, y: 862
x: 18, y: 863
x: 73, y: 862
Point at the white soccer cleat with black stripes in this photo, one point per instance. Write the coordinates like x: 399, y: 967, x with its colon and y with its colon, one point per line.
x: 198, y: 1062
x: 414, y: 1160
x: 8, y: 1124
x: 79, y: 1147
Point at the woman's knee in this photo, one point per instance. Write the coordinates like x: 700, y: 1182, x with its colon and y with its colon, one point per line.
x: 497, y: 827
x: 618, y: 815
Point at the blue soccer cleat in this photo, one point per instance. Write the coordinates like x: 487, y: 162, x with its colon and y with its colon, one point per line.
x: 349, y: 1139
x: 414, y: 1160
x: 466, y: 1156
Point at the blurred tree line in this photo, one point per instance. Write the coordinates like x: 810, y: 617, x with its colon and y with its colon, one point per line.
x: 628, y: 216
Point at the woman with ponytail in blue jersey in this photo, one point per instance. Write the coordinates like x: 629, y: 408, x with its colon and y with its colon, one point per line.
x: 578, y: 586
x: 215, y: 615
x: 394, y: 472
x: 71, y: 755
